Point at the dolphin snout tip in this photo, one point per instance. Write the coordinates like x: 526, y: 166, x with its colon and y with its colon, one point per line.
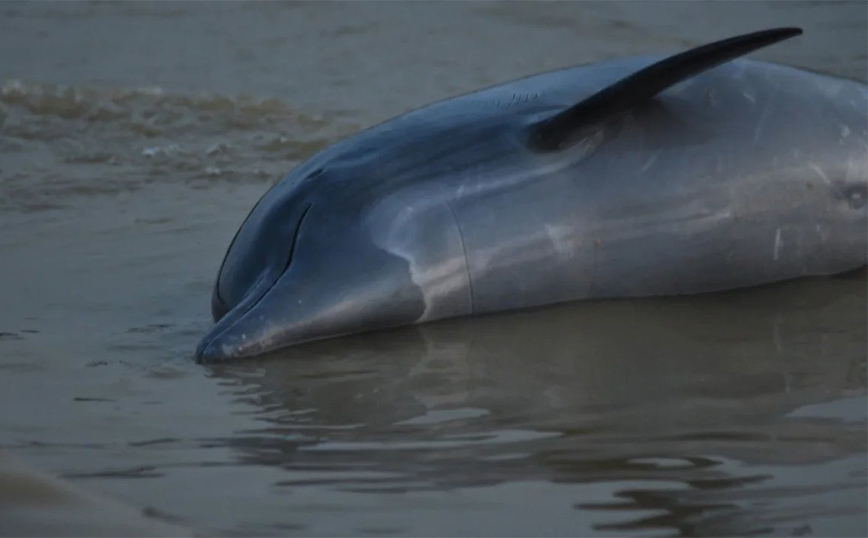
x: 207, y: 352
x: 216, y: 348
x: 225, y: 344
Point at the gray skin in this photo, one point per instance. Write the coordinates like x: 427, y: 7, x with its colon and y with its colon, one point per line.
x: 746, y: 174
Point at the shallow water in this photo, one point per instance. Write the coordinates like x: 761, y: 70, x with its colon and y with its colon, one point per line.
x: 134, y: 138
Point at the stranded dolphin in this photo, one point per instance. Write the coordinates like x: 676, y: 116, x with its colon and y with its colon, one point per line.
x: 626, y: 178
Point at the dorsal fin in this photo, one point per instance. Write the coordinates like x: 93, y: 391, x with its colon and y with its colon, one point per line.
x: 559, y: 131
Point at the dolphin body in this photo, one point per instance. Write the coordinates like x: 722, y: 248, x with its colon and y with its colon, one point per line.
x: 635, y: 177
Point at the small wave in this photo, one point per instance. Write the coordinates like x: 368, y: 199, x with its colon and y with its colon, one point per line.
x: 61, y: 141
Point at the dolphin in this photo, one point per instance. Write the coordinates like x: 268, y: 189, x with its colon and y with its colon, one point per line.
x: 635, y: 177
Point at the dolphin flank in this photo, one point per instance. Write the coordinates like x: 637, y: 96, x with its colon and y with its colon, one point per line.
x: 634, y: 177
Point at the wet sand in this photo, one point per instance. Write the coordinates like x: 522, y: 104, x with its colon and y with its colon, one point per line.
x: 135, y: 137
x: 35, y: 504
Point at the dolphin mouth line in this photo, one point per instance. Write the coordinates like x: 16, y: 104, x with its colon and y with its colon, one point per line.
x: 231, y: 317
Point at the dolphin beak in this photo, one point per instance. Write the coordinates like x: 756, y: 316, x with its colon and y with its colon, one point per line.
x: 208, y: 353
x: 235, y: 335
x: 221, y: 343
x: 211, y: 349
x: 241, y: 336
x: 221, y: 346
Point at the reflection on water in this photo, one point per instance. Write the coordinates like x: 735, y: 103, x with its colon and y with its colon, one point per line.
x: 671, y: 414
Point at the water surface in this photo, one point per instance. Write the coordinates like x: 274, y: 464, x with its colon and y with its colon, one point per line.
x: 134, y: 138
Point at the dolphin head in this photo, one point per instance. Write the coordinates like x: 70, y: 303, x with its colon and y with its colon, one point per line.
x: 305, y: 264
x: 360, y: 237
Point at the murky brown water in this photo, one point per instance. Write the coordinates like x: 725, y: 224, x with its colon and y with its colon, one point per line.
x: 134, y: 138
